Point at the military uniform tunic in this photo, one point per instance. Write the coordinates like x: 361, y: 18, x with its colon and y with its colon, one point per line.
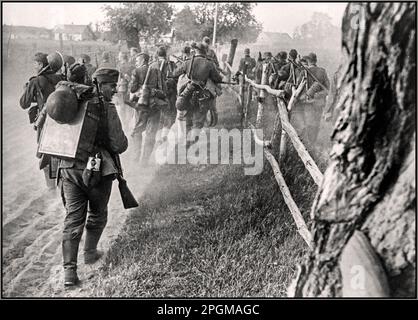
x: 202, y: 70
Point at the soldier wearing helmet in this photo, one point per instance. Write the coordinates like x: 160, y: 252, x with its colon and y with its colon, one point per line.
x: 149, y: 88
x: 247, y: 64
x: 210, y: 53
x: 307, y: 112
x: 193, y: 96
x: 90, y: 69
x: 36, y: 92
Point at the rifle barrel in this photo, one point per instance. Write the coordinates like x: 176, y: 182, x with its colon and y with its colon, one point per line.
x: 310, y: 73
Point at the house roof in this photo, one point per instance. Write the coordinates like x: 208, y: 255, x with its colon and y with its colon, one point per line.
x: 70, y: 28
x: 275, y: 36
x: 25, y: 29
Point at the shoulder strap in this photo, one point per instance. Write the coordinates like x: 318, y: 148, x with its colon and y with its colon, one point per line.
x: 147, y: 75
x: 189, y: 73
x: 39, y: 90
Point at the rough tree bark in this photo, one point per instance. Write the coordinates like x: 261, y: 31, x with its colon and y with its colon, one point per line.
x: 369, y: 184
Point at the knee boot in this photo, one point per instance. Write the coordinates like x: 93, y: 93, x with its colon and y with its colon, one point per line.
x: 91, y: 254
x: 69, y: 253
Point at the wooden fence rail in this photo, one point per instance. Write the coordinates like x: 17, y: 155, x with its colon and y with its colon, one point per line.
x: 282, y: 123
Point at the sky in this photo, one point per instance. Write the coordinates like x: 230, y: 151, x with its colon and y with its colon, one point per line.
x: 275, y: 17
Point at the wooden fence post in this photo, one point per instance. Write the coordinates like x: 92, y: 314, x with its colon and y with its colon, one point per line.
x: 262, y: 97
x: 242, y: 94
x: 276, y: 137
x: 247, y: 104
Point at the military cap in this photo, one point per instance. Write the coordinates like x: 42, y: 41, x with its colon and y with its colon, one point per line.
x: 41, y: 58
x: 206, y: 40
x: 247, y: 51
x: 62, y: 104
x: 106, y: 75
x: 312, y: 57
x: 293, y: 54
x: 162, y: 51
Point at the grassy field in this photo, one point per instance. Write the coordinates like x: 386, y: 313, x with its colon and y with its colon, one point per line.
x: 209, y: 231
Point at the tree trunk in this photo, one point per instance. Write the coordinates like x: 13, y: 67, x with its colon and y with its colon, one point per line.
x: 370, y: 181
x: 132, y: 38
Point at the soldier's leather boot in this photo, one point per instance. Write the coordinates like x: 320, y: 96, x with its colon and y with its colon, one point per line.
x: 69, y: 253
x: 91, y: 254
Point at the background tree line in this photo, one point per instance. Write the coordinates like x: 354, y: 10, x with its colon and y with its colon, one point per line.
x: 131, y: 21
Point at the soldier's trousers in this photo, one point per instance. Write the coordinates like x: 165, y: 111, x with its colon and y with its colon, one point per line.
x: 195, y: 116
x: 146, y: 120
x: 79, y: 200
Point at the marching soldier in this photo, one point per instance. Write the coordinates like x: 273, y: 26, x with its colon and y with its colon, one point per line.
x: 125, y: 72
x: 247, y: 64
x: 68, y: 62
x: 105, y: 63
x: 187, y: 55
x: 36, y: 92
x: 148, y: 85
x: 77, y: 73
x: 294, y: 72
x: 312, y: 100
x: 83, y: 193
x: 133, y: 52
x: 210, y: 53
x: 279, y: 71
x: 168, y: 115
x: 193, y: 97
x: 90, y: 69
x: 263, y: 65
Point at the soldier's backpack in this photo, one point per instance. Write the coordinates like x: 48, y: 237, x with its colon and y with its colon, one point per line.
x: 76, y: 139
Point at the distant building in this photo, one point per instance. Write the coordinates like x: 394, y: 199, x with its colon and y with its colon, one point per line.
x: 269, y: 38
x: 74, y: 32
x: 24, y: 32
x: 168, y: 38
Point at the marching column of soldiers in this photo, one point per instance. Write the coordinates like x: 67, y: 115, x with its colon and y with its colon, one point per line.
x: 153, y: 91
x: 286, y: 71
x: 67, y: 91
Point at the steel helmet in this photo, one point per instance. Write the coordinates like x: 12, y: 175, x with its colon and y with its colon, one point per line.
x: 55, y: 61
x: 62, y: 104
